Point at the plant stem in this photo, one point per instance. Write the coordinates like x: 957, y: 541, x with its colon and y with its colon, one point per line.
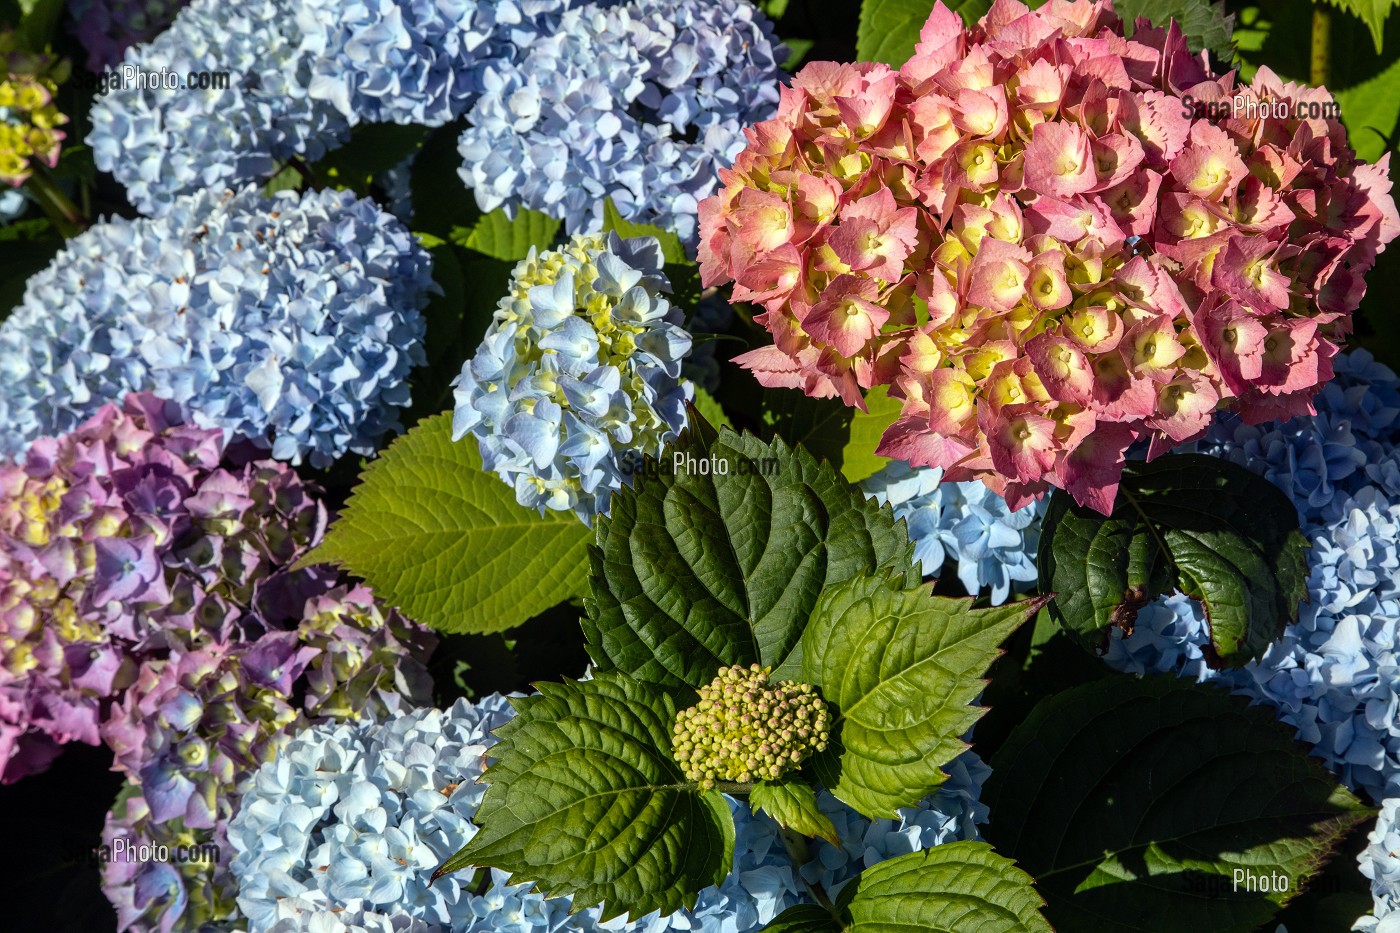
x: 1321, y: 44
x: 66, y: 218
x: 801, y: 854
x: 733, y: 788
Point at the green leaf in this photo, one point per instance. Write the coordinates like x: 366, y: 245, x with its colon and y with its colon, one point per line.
x: 821, y: 425
x: 38, y: 20
x: 706, y: 404
x: 584, y: 799
x: 1371, y: 112
x: 805, y: 918
x: 900, y: 669
x: 507, y: 238
x: 457, y: 320
x: 1371, y: 12
x: 446, y: 542
x: 1132, y: 800
x: 958, y: 887
x: 1204, y: 23
x: 1208, y: 527
x: 289, y: 179
x: 694, y: 571
x: 858, y: 458
x: 797, y: 52
x: 671, y: 248
x: 372, y: 150
x: 889, y: 29
x: 793, y: 804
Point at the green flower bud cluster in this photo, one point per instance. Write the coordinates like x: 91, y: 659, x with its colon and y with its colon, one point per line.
x: 745, y: 729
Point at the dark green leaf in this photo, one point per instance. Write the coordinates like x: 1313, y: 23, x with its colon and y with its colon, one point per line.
x: 804, y: 918
x: 441, y: 202
x: 446, y: 542
x: 585, y: 800
x: 1134, y: 802
x: 693, y: 571
x: 1204, y: 23
x: 901, y: 669
x: 373, y: 149
x: 792, y: 803
x: 508, y: 238
x: 1214, y: 530
x: 710, y: 409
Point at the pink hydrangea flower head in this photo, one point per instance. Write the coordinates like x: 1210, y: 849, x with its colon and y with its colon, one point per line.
x: 1048, y: 242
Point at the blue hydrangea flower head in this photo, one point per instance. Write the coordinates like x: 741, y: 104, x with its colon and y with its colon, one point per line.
x: 1335, y: 674
x: 578, y: 375
x: 641, y: 102
x: 994, y: 547
x: 413, y: 61
x: 382, y: 804
x: 162, y: 143
x: 1381, y: 865
x: 292, y: 321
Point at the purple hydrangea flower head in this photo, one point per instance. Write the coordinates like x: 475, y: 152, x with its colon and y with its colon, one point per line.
x: 165, y: 895
x: 107, y: 28
x: 162, y: 143
x: 641, y: 102
x: 993, y: 546
x: 292, y: 321
x: 578, y: 375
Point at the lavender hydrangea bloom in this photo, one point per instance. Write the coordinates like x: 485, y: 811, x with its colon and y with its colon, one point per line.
x: 578, y: 374
x: 292, y: 321
x: 107, y: 28
x: 1335, y: 674
x: 161, y: 144
x: 994, y: 547
x: 642, y: 103
x: 194, y: 894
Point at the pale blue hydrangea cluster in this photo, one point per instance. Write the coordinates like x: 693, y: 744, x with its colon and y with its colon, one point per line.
x: 993, y: 546
x: 1381, y: 866
x: 381, y: 805
x: 13, y: 204
x: 1335, y: 675
x: 578, y: 374
x: 162, y: 143
x: 413, y: 61
x: 642, y: 103
x: 950, y: 814
x: 292, y: 321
